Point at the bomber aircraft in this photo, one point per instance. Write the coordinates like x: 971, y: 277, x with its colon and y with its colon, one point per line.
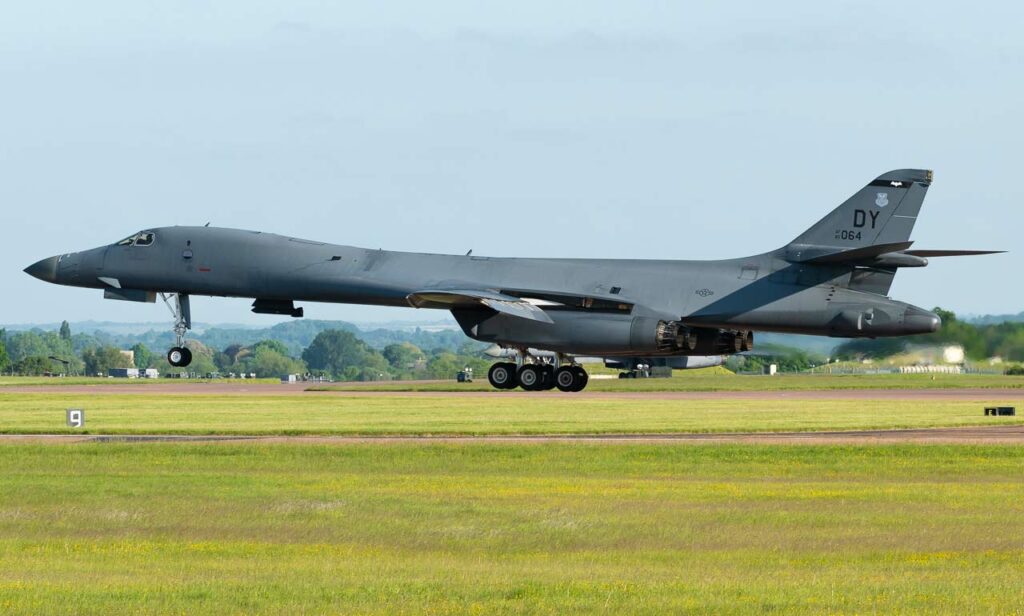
x: 832, y: 280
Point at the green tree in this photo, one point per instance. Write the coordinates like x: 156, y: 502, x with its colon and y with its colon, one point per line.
x: 273, y: 345
x: 402, y: 356
x: 267, y: 362
x: 444, y: 366
x: 37, y: 343
x: 342, y: 355
x: 5, y: 361
x: 99, y: 361
x: 144, y: 358
x: 65, y: 331
x: 232, y: 352
x: 33, y: 365
x: 26, y: 344
x: 223, y: 361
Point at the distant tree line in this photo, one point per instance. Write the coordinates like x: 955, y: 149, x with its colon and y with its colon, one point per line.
x: 785, y: 359
x: 295, y: 335
x: 344, y: 353
x: 335, y: 353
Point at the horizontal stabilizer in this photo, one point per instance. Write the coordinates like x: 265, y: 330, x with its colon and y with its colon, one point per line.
x: 819, y: 254
x: 952, y: 253
x: 461, y: 298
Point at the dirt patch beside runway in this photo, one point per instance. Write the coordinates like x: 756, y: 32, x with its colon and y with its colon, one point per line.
x: 987, y: 435
x: 214, y: 388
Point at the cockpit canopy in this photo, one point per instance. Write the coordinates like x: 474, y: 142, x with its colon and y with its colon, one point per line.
x: 142, y: 238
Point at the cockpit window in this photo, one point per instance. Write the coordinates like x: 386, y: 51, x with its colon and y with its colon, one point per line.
x: 143, y: 238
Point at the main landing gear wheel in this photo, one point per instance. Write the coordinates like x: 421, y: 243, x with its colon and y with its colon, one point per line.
x: 583, y: 377
x: 571, y: 378
x: 503, y: 375
x: 179, y: 357
x: 531, y: 377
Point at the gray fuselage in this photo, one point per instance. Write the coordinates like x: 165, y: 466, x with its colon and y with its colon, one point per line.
x: 762, y: 292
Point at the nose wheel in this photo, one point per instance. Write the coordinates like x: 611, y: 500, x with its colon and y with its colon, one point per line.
x: 179, y: 356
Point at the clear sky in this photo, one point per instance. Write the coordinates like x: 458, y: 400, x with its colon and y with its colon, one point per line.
x: 588, y: 128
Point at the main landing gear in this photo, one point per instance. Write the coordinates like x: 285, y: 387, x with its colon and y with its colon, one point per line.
x: 179, y: 356
x: 537, y: 376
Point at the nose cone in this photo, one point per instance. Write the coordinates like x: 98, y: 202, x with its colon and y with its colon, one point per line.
x: 918, y: 321
x: 44, y: 270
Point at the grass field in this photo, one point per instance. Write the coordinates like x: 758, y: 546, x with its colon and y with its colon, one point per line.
x: 698, y: 380
x: 555, y: 528
x: 485, y: 528
x: 314, y: 413
x: 713, y: 379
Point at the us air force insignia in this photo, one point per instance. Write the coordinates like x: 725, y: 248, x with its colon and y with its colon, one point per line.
x: 882, y: 199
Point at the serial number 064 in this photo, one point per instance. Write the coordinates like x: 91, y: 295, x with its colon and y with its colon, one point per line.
x: 846, y: 234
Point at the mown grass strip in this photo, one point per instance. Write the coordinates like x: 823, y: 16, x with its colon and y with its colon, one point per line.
x: 474, y: 415
x: 169, y: 528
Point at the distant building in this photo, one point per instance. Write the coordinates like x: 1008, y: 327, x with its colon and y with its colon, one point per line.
x: 129, y: 354
x: 123, y: 373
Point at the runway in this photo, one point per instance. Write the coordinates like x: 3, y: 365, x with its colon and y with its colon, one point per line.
x: 221, y: 388
x: 985, y: 435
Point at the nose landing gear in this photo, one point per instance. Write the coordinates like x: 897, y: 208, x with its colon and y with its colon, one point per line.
x: 179, y: 356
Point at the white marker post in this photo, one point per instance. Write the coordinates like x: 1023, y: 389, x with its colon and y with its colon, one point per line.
x: 76, y: 418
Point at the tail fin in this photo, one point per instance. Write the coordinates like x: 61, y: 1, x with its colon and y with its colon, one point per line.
x: 869, y: 234
x: 883, y: 212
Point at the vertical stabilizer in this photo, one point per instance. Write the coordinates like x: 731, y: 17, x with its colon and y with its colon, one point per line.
x: 883, y: 212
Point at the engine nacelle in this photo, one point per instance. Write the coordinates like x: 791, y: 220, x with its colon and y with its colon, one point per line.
x: 581, y: 333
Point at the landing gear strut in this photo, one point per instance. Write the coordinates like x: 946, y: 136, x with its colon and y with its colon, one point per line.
x: 179, y: 356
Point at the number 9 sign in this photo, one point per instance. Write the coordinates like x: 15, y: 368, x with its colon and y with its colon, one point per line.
x: 76, y: 418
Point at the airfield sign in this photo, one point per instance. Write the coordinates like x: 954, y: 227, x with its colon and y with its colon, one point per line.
x: 76, y: 418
